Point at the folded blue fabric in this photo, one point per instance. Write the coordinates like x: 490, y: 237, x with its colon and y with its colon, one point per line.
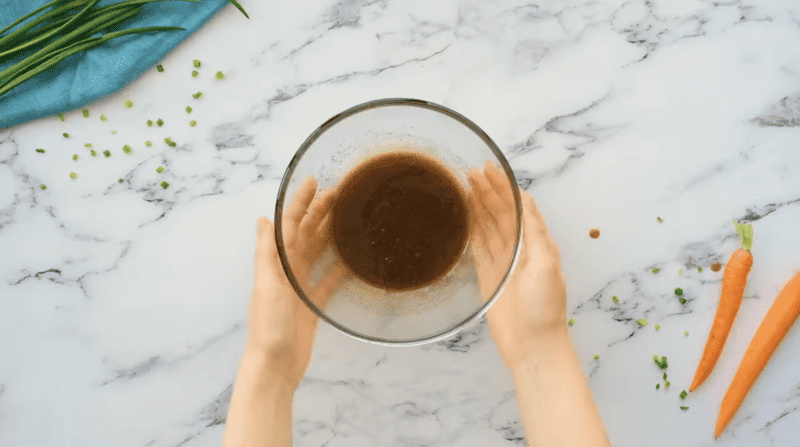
x: 85, y: 77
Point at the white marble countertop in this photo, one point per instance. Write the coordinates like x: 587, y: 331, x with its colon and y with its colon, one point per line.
x: 122, y: 305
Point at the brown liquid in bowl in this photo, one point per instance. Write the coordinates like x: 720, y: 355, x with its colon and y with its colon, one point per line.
x: 400, y: 221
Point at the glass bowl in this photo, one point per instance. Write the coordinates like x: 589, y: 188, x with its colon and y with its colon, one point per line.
x: 310, y: 257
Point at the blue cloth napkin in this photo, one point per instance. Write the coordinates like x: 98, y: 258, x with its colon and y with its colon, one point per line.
x: 85, y: 77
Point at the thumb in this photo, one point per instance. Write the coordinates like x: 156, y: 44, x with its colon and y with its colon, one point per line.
x: 266, y: 249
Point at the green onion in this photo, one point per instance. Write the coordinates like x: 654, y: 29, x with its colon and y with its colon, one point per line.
x: 682, y: 300
x: 686, y: 333
x: 658, y: 385
x: 160, y: 122
x: 678, y: 291
x: 169, y: 142
x: 88, y: 144
x: 75, y: 157
x: 58, y: 34
x: 149, y: 123
x: 666, y: 384
x: 220, y: 75
x: 160, y: 169
x: 680, y: 272
x: 128, y: 103
x: 656, y: 270
x: 194, y: 73
x: 192, y: 123
x: 43, y: 186
x: 113, y: 132
x: 93, y: 152
x: 60, y: 116
x: 641, y: 321
x: 699, y: 269
x: 684, y: 408
x: 658, y: 326
x: 160, y: 68
x: 616, y: 300
x: 664, y: 376
x: 684, y: 394
x: 196, y: 63
x: 571, y: 322
x: 127, y: 149
x: 596, y: 356
x: 120, y: 180
x: 41, y: 151
x: 164, y: 185
x: 73, y: 175
x: 197, y: 95
x: 85, y: 113
x: 188, y: 109
x: 106, y: 153
x: 659, y: 219
x: 66, y: 135
x: 662, y: 363
x: 239, y: 7
x: 102, y: 117
x: 148, y: 144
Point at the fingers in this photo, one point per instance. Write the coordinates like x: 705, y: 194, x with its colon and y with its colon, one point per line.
x: 479, y: 242
x: 485, y: 192
x: 536, y: 232
x: 317, y: 211
x: 499, y: 181
x: 299, y: 205
x: 266, y: 252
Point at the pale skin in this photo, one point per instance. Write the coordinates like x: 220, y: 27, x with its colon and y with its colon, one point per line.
x: 527, y: 322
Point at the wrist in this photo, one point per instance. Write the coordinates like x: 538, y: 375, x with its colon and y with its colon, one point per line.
x: 544, y: 352
x: 259, y: 371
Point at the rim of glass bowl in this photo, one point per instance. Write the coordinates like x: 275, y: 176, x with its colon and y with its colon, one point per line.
x: 393, y: 102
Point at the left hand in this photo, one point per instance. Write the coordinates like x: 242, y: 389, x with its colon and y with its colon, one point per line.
x: 281, y: 328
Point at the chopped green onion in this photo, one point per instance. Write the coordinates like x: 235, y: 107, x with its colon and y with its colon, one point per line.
x: 596, y: 356
x: 164, y: 185
x: 656, y: 270
x: 43, y: 186
x: 93, y: 153
x: 148, y: 144
x: 239, y: 7
x: 196, y: 63
x: 102, y: 117
x: 664, y: 376
x: 88, y: 144
x: 60, y: 116
x: 169, y: 142
x: 107, y: 153
x: 571, y: 322
x: 160, y: 169
x: 73, y: 175
x: 616, y: 300
x: 41, y: 151
x: 658, y: 385
x: 641, y: 321
x: 75, y: 157
x: 194, y: 73
x: 686, y: 333
x: 66, y: 135
x: 678, y: 291
x: 197, y: 95
x: 684, y: 408
x: 160, y: 122
x: 160, y: 68
x: 662, y: 363
x: 85, y: 113
x: 666, y: 384
x: 682, y: 300
x: 127, y: 149
x: 113, y: 132
x: 128, y: 103
x: 192, y: 123
x: 188, y: 109
x: 220, y: 75
x: 699, y: 269
x: 120, y: 180
x: 680, y: 272
x: 659, y: 219
x: 684, y: 394
x: 658, y: 326
x: 149, y: 123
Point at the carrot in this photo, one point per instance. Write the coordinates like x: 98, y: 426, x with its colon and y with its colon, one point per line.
x: 733, y: 282
x: 773, y: 328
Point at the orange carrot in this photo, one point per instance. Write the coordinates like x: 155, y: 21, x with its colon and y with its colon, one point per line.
x: 773, y: 328
x: 733, y: 282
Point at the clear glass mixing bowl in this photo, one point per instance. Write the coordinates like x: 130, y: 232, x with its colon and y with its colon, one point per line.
x: 312, y: 264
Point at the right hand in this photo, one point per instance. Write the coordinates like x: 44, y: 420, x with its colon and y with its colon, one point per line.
x: 532, y: 309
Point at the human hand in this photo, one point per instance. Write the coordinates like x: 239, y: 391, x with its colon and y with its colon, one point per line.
x: 532, y: 308
x: 281, y: 328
